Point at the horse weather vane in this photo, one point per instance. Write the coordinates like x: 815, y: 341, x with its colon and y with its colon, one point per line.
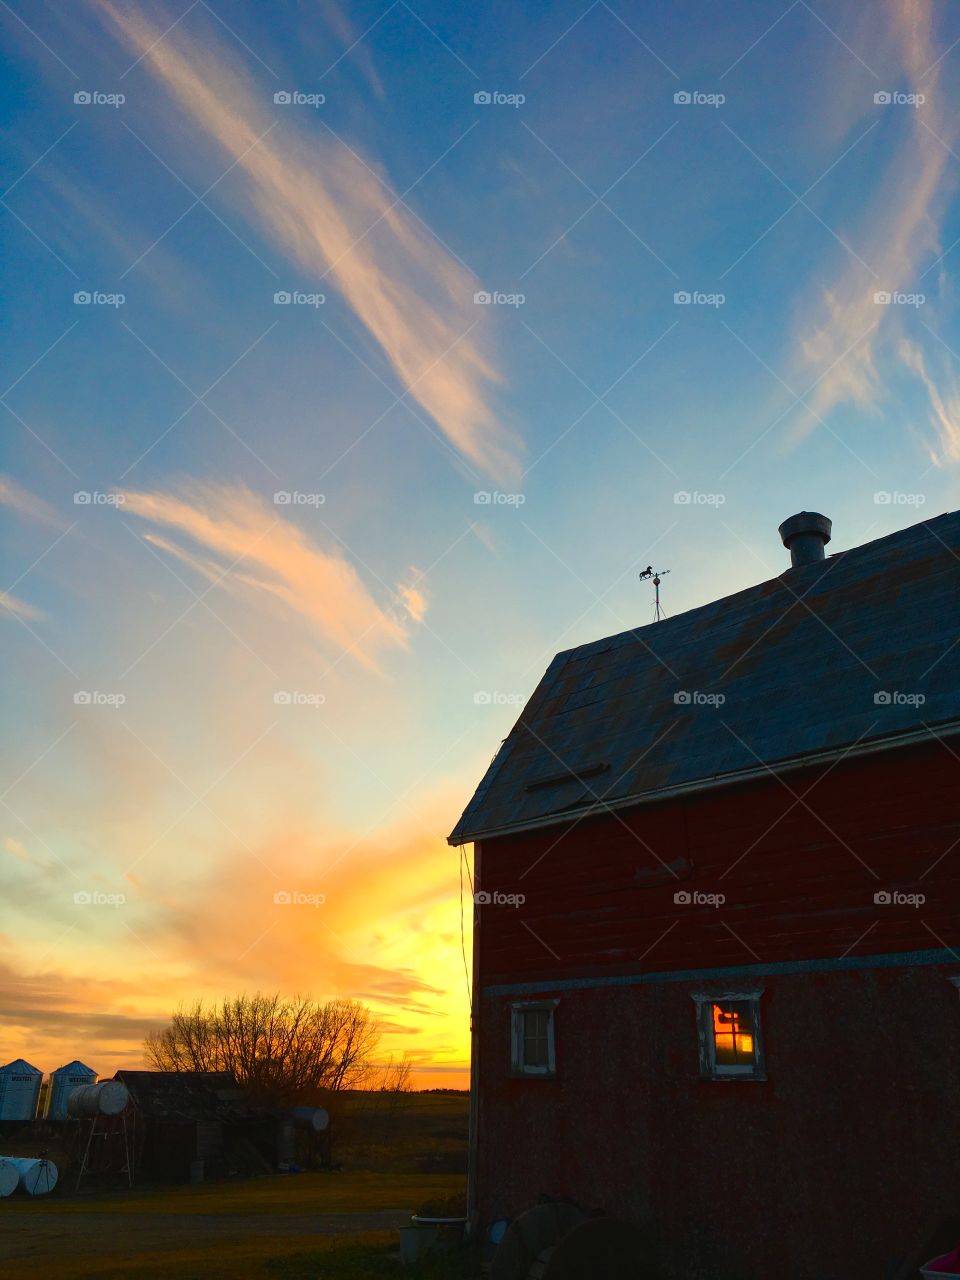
x: 656, y: 575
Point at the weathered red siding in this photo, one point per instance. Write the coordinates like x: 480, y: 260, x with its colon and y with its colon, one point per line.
x: 833, y: 1167
x: 798, y: 860
x: 838, y: 1162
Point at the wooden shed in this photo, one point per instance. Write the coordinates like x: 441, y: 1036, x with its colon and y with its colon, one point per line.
x: 197, y: 1125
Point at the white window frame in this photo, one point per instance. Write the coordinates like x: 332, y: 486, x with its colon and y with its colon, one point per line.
x: 710, y: 1069
x: 517, y: 1066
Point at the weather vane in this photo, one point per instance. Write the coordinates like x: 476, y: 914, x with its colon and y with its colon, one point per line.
x: 656, y: 575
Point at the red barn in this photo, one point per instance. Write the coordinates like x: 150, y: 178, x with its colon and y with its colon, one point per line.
x: 717, y: 939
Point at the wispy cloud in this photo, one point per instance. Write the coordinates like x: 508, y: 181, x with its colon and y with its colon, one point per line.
x: 27, y: 504
x: 19, y: 607
x: 944, y: 403
x: 244, y: 545
x: 332, y: 212
x: 845, y: 337
x: 354, y: 45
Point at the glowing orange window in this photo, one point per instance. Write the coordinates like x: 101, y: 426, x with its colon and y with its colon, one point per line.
x: 733, y: 1038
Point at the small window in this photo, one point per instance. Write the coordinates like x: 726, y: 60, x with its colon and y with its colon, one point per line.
x: 532, y: 1040
x: 728, y: 1026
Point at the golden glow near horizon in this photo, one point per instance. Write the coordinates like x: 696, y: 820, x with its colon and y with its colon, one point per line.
x: 310, y: 476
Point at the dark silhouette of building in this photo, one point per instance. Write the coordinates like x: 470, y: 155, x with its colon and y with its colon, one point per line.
x: 717, y: 936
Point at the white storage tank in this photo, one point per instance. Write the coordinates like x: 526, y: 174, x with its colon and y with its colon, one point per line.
x: 108, y: 1098
x: 9, y: 1176
x: 36, y: 1177
x: 19, y: 1090
x: 315, y: 1118
x: 63, y: 1081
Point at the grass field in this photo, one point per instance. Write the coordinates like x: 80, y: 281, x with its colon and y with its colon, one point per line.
x: 308, y: 1226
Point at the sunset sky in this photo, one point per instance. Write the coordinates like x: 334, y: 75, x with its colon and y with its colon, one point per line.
x: 217, y: 299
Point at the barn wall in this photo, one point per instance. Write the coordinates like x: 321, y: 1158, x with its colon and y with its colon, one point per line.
x: 859, y: 1114
x: 798, y: 862
x: 837, y: 1165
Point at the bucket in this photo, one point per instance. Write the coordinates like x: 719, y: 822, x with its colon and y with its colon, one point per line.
x: 416, y: 1243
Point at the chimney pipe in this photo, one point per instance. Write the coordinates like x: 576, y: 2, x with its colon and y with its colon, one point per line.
x: 805, y: 535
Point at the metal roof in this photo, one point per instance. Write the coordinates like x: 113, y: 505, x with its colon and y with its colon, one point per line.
x: 188, y: 1095
x: 827, y: 657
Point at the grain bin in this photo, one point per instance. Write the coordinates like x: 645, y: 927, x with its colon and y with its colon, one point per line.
x: 9, y: 1177
x: 36, y: 1177
x: 19, y: 1090
x: 108, y: 1098
x: 63, y: 1081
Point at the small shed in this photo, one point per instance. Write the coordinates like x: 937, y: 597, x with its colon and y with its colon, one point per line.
x: 19, y: 1090
x: 62, y: 1083
x: 196, y: 1125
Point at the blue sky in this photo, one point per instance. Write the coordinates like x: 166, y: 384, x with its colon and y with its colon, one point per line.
x: 783, y: 198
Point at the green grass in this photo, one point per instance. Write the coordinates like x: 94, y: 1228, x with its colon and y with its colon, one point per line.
x: 355, y: 1191
x: 370, y: 1256
x: 389, y: 1149
x: 372, y: 1262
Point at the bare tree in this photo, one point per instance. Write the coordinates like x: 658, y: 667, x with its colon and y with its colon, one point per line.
x: 394, y: 1076
x: 276, y: 1047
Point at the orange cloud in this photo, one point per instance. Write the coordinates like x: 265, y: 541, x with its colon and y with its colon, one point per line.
x: 320, y: 586
x: 332, y: 212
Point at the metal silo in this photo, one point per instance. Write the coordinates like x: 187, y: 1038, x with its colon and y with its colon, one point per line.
x: 19, y: 1090
x: 62, y: 1083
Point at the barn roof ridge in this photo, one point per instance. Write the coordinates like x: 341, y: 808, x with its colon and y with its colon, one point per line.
x: 800, y: 663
